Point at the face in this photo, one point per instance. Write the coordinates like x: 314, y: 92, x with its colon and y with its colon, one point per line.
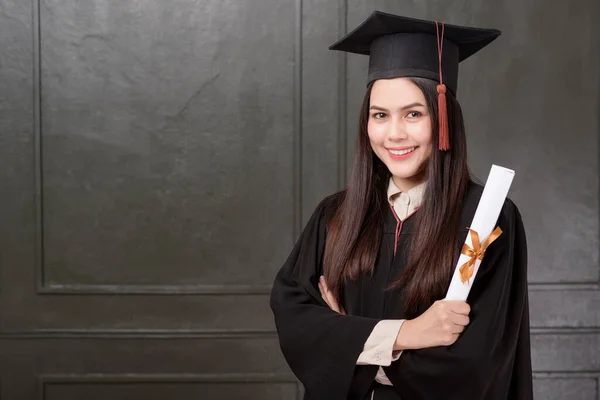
x: 399, y: 130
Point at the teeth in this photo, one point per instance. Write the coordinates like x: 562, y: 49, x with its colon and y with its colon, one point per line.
x: 402, y: 152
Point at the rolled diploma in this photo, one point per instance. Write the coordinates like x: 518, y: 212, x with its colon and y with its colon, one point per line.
x: 487, y: 213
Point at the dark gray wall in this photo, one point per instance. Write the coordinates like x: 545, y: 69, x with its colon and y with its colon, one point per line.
x: 532, y: 103
x: 158, y: 159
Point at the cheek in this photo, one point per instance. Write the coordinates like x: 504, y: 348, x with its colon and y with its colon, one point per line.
x: 427, y: 139
x: 422, y: 134
x: 376, y: 133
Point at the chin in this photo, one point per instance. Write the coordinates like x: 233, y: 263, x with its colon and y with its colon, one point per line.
x: 404, y: 174
x: 403, y: 171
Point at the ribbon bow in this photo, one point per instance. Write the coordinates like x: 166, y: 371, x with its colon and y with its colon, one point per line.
x: 476, y: 252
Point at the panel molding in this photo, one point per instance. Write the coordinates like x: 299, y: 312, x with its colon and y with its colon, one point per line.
x: 566, y: 330
x: 52, y: 288
x: 210, y: 333
x: 182, y: 377
x: 139, y: 334
x: 45, y: 380
x: 563, y: 286
x: 342, y: 99
x: 566, y: 374
x: 170, y: 290
x: 46, y: 288
x: 297, y: 132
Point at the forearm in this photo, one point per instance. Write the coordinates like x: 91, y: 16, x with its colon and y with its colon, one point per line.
x: 407, y: 338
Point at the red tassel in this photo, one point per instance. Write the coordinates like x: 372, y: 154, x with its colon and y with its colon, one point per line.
x: 444, y: 134
x: 443, y: 118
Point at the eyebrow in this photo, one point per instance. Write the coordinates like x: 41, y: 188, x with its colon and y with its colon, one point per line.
x: 406, y: 107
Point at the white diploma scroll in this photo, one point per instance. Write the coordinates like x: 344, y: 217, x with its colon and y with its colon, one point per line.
x: 484, y: 223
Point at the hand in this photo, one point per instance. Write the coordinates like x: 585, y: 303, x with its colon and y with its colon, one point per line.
x: 440, y: 325
x: 328, y: 297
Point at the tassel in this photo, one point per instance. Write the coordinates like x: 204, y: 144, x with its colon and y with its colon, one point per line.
x: 444, y: 133
x: 443, y: 118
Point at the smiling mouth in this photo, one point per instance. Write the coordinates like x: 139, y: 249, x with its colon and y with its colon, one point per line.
x: 402, y: 152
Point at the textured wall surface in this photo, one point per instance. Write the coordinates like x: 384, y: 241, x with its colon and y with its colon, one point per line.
x: 158, y: 160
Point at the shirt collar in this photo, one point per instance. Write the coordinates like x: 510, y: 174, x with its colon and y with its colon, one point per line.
x: 416, y: 193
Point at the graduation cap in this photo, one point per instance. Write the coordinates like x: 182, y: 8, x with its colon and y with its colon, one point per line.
x: 407, y: 47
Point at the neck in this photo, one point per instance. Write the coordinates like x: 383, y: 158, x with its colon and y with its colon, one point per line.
x: 405, y: 184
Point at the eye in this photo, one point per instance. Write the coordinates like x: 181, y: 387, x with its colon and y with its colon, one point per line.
x: 413, y: 114
x: 379, y: 115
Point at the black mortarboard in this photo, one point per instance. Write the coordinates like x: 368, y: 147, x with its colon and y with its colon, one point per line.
x: 401, y: 47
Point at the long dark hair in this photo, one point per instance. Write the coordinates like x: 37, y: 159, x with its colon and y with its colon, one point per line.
x: 355, y: 231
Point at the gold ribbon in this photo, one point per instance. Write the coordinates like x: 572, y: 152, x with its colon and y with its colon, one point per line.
x: 476, y: 252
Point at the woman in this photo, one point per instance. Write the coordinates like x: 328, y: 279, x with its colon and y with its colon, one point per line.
x: 359, y: 303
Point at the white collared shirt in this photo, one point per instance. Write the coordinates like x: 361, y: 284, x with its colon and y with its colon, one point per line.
x: 405, y: 203
x: 379, y: 347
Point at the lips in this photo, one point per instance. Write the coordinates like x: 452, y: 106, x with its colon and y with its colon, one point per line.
x: 402, y: 153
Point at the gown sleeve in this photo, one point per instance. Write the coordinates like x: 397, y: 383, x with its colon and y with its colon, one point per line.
x: 320, y: 346
x: 492, y: 358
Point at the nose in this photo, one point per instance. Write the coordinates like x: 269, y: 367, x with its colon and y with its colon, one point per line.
x: 397, y: 130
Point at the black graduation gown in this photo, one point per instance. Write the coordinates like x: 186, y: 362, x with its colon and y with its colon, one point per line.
x: 491, y: 359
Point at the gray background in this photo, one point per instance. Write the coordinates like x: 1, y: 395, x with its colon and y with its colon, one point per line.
x: 158, y: 160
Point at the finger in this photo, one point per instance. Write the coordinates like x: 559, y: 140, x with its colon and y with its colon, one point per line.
x: 459, y: 319
x: 328, y: 296
x: 324, y: 289
x: 332, y: 302
x: 455, y: 337
x: 449, y: 339
x: 459, y: 307
x: 457, y: 329
x: 324, y: 283
x: 324, y: 295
